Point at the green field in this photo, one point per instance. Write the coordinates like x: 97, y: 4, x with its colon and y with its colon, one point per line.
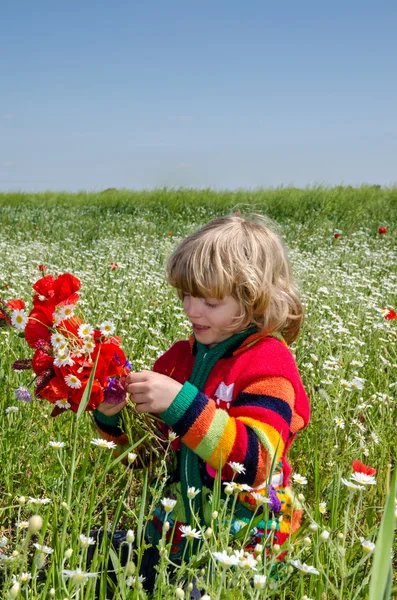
x: 347, y: 354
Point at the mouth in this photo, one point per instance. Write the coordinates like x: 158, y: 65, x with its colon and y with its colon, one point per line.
x: 199, y: 328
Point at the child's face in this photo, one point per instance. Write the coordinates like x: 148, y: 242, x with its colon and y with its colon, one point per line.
x: 211, y: 317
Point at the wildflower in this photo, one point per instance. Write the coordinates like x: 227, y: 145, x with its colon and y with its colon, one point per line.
x: 324, y: 535
x: 245, y: 560
x: 78, y: 576
x: 238, y: 487
x: 85, y: 330
x: 336, y: 235
x: 11, y: 409
x: 172, y: 435
x: 73, y: 381
x: 57, y: 445
x: 169, y: 504
x: 259, y: 581
x: 179, y: 593
x: 363, y: 478
x: 41, y: 268
x: 114, y: 266
x: 382, y: 230
x: 189, y: 533
x: 131, y: 581
x: 65, y: 312
x: 260, y: 499
x: 43, y: 549
x: 86, y: 541
x: 389, y: 314
x: 25, y: 577
x: 322, y: 507
x: 19, y: 319
x: 62, y: 404
x: 304, y: 567
x: 103, y: 443
x: 339, y: 422
x: 358, y: 467
x: 3, y: 542
x: 22, y: 393
x: 351, y: 485
x: 299, y: 479
x: 14, y: 590
x: 107, y: 328
x: 237, y: 467
x: 225, y: 560
x: 192, y: 492
x: 38, y: 501
x: 58, y: 340
x: 68, y: 553
x: 131, y: 457
x: 357, y: 383
x: 63, y: 360
x: 367, y: 545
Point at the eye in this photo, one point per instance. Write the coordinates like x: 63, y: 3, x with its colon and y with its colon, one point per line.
x: 210, y: 305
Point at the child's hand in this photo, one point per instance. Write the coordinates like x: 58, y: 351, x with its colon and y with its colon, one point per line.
x: 151, y: 392
x: 109, y: 409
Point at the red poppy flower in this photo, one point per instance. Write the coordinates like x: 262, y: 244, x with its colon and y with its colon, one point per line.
x: 358, y: 467
x: 382, y: 230
x: 336, y: 235
x: 96, y: 396
x: 114, y: 266
x: 41, y: 362
x: 14, y: 305
x: 237, y: 213
x: 65, y: 288
x: 42, y: 268
x: 38, y: 325
x: 45, y: 291
x: 389, y: 314
x: 55, y: 390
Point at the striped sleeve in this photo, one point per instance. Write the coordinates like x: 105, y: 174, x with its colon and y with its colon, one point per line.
x: 255, y: 429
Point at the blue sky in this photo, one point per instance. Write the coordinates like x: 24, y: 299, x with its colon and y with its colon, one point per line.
x: 223, y: 94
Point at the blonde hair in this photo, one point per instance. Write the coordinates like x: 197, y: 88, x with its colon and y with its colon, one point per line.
x: 245, y: 259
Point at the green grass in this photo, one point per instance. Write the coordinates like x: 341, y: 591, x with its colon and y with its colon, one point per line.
x: 345, y: 284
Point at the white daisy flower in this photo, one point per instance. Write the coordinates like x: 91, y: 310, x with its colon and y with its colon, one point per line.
x: 351, y: 485
x: 299, y: 479
x: 367, y: 545
x: 192, y: 492
x: 172, y: 435
x: 57, y: 445
x: 322, y: 507
x: 63, y: 359
x: 73, y: 381
x: 86, y: 541
x: 169, y: 504
x: 304, y: 567
x: 25, y: 577
x: 225, y: 560
x: 19, y: 319
x: 259, y: 582
x: 57, y: 340
x: 43, y: 549
x: 11, y: 409
x: 237, y: 467
x: 101, y: 443
x: 65, y: 312
x: 260, y: 499
x: 63, y: 403
x: 84, y: 330
x: 238, y: 487
x: 22, y: 524
x: 363, y: 479
x: 107, y: 328
x: 38, y: 501
x: 78, y: 576
x: 89, y: 346
x: 189, y: 533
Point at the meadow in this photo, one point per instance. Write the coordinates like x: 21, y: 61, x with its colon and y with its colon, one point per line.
x: 342, y: 246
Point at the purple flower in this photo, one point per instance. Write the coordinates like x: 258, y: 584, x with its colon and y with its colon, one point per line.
x: 114, y: 394
x: 275, y: 504
x: 22, y: 365
x: 128, y: 365
x: 112, y: 381
x: 22, y: 393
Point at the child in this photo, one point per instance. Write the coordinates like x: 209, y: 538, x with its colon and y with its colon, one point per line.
x: 232, y: 392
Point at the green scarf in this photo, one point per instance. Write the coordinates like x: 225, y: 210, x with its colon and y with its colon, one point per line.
x: 206, y: 358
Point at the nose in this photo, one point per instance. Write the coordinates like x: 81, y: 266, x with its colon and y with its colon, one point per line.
x: 192, y: 307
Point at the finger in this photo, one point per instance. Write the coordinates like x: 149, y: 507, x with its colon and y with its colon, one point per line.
x: 136, y: 388
x: 142, y: 408
x: 137, y: 377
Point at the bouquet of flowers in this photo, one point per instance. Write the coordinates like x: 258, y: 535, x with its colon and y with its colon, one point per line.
x: 66, y: 348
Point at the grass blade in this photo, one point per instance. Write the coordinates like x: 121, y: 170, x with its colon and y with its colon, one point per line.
x: 87, y: 392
